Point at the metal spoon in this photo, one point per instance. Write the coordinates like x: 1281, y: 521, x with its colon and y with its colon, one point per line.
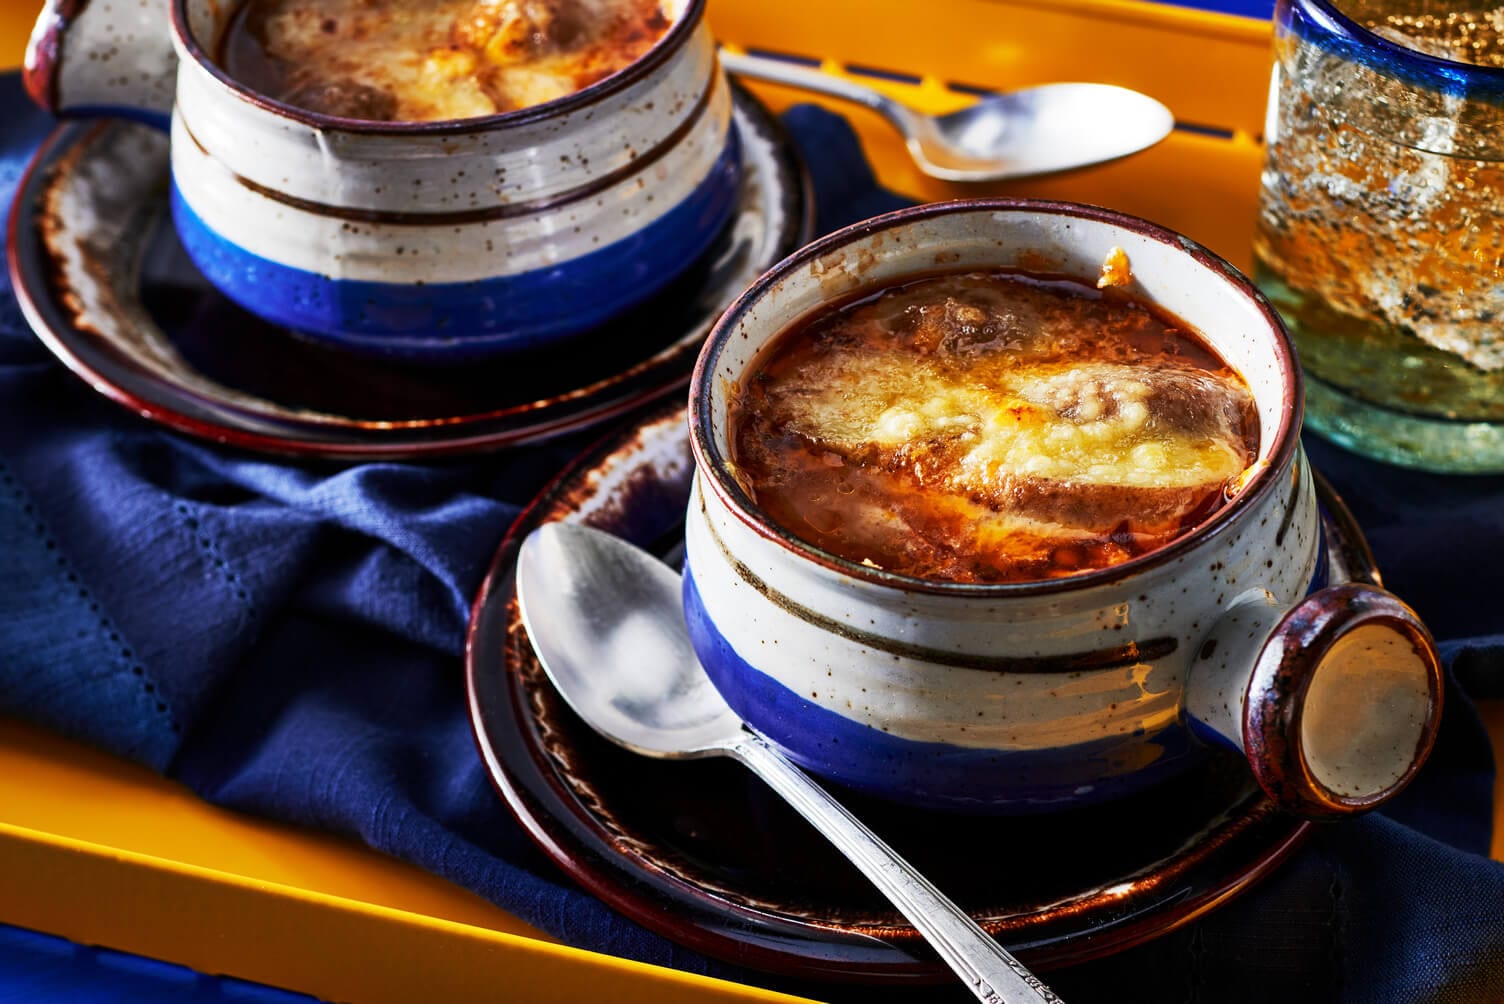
x: 1053, y: 127
x: 605, y: 620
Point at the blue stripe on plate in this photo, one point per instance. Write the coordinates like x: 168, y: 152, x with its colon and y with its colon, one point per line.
x: 927, y: 774
x: 452, y: 321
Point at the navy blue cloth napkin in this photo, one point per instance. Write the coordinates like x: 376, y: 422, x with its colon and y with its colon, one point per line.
x: 286, y: 640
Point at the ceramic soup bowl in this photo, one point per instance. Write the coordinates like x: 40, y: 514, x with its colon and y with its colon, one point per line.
x: 1050, y: 694
x: 435, y: 239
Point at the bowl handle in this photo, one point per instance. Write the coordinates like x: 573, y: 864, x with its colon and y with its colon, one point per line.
x: 1335, y: 702
x: 90, y: 58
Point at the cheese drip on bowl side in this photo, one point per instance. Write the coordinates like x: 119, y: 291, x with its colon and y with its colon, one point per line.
x: 991, y: 427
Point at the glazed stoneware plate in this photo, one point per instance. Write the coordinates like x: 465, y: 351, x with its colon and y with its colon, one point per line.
x: 699, y: 852
x: 106, y: 285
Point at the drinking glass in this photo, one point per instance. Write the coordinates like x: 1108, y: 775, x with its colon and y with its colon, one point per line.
x: 1380, y: 238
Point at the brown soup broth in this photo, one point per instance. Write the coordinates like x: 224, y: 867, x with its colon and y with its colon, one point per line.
x: 990, y: 427
x: 430, y: 60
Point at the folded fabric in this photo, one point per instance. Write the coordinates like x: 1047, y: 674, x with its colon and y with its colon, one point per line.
x: 285, y: 638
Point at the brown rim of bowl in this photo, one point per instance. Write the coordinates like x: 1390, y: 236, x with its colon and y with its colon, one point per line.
x: 672, y: 41
x: 709, y: 460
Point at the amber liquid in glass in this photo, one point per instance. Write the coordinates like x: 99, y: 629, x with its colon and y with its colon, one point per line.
x: 1379, y: 240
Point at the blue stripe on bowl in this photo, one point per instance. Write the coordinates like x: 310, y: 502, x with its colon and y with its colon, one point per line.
x: 928, y: 774
x: 451, y: 321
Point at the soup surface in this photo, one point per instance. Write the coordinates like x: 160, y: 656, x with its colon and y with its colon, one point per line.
x: 427, y: 60
x: 991, y: 427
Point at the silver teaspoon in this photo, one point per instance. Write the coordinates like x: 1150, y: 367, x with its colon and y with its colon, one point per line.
x: 1038, y: 130
x: 605, y: 620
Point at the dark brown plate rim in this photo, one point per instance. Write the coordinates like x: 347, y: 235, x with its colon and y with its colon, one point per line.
x: 114, y: 374
x: 1230, y: 856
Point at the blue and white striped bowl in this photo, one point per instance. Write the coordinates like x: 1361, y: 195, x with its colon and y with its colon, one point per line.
x: 430, y: 240
x: 1042, y: 695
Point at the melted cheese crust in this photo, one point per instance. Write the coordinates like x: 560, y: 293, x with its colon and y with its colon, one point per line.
x: 992, y: 428
x: 1092, y: 424
x: 430, y: 60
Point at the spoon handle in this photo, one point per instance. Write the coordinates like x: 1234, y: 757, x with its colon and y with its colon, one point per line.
x: 780, y: 71
x: 985, y: 966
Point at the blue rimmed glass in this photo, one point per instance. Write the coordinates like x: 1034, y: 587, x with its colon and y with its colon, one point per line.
x: 1380, y: 236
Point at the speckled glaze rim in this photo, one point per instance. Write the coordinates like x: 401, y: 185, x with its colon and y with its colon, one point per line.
x: 1324, y: 24
x: 665, y: 48
x: 504, y: 211
x: 573, y: 827
x: 114, y: 375
x: 1275, y: 697
x: 715, y: 466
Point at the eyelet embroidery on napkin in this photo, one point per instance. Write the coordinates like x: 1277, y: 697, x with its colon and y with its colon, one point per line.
x: 122, y: 650
x: 200, y: 534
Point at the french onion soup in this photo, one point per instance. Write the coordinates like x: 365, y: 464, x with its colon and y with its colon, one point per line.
x: 429, y: 60
x: 991, y: 427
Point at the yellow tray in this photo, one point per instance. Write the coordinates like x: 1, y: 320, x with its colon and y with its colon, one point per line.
x: 110, y: 854
x: 1212, y: 70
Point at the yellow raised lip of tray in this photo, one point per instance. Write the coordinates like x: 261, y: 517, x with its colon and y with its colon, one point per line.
x: 107, y: 853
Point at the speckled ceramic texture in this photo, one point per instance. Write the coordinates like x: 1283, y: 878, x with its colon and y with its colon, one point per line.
x: 1021, y: 697
x: 448, y: 239
x: 703, y: 853
x: 103, y: 58
x: 103, y: 280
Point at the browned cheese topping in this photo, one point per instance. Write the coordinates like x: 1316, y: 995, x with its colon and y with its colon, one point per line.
x: 429, y: 60
x: 991, y: 427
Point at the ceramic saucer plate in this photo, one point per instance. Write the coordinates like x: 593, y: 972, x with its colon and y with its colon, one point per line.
x: 700, y: 852
x: 104, y: 282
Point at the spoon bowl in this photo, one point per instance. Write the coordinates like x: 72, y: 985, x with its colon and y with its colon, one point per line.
x: 583, y: 593
x: 1018, y: 134
x: 605, y: 620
